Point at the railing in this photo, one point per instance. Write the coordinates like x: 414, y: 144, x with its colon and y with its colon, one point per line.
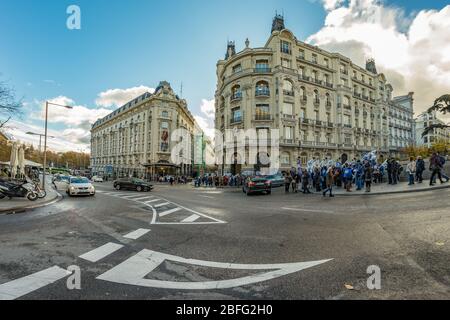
x: 365, y: 98
x: 287, y: 141
x: 347, y: 126
x: 303, y: 120
x: 236, y: 120
x: 304, y: 78
x: 262, y: 92
x: 288, y: 93
x: 357, y: 95
x: 288, y: 116
x: 348, y: 107
x: 318, y: 123
x: 304, y: 99
x: 328, y: 104
x: 263, y: 117
x: 236, y: 96
x: 317, y: 81
x: 263, y: 70
x: 329, y: 85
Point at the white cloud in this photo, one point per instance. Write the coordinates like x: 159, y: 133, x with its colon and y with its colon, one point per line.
x: 61, y: 142
x: 206, y: 120
x: 413, y: 52
x: 208, y: 108
x: 119, y: 97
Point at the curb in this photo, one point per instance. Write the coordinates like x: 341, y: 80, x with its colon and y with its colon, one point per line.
x: 368, y: 194
x: 24, y: 208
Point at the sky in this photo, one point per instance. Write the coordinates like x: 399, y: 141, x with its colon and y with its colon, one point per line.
x: 126, y: 47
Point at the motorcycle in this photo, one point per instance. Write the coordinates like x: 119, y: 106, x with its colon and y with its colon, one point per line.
x: 21, y: 189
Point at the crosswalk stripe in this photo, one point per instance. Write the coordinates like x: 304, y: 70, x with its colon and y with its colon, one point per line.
x: 165, y: 213
x: 143, y: 198
x: 192, y: 218
x: 22, y: 286
x: 101, y: 252
x: 159, y: 205
x: 136, y: 234
x: 151, y: 201
x: 132, y: 196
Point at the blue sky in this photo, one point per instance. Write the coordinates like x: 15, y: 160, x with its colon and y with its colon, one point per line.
x: 128, y: 43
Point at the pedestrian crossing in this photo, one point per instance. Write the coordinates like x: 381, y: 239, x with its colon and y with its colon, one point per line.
x: 164, y: 211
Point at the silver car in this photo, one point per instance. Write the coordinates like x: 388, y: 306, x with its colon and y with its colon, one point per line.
x: 80, y: 186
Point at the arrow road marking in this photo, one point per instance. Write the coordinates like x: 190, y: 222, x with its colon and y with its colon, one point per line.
x: 20, y: 287
x: 101, y: 252
x: 134, y: 270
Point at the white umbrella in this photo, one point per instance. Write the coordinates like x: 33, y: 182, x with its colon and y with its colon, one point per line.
x: 21, y: 162
x: 14, y: 160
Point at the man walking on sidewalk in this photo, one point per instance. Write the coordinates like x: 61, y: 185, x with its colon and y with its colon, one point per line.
x: 420, y: 168
x: 330, y: 179
x: 435, y: 168
x: 411, y: 170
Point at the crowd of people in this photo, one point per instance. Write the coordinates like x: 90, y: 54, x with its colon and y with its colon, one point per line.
x: 323, y: 176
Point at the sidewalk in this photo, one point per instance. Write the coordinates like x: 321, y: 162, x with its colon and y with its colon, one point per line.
x: 384, y: 188
x: 17, y: 205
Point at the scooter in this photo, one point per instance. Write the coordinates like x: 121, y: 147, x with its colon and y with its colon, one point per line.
x: 17, y: 190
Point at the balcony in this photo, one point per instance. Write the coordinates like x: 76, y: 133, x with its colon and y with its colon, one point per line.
x: 287, y: 142
x: 288, y: 93
x: 288, y: 117
x: 236, y: 120
x: 304, y: 99
x: 329, y: 85
x: 305, y: 121
x: 348, y: 107
x: 237, y: 96
x: 304, y: 78
x: 317, y: 81
x: 357, y: 95
x: 263, y: 117
x: 330, y: 125
x: 339, y: 105
x: 344, y: 71
x: 265, y: 92
x: 365, y: 98
x: 318, y: 123
x: 262, y: 70
x: 348, y: 126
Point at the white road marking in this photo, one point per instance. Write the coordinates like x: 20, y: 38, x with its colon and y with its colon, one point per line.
x: 165, y: 213
x: 159, y: 205
x: 22, y: 286
x: 307, y: 210
x: 151, y: 201
x: 101, y: 252
x: 192, y: 218
x: 143, y: 198
x: 134, y: 270
x: 208, y: 197
x: 136, y: 234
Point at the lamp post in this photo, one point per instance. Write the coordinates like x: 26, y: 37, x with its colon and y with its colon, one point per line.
x: 40, y: 140
x: 47, y: 103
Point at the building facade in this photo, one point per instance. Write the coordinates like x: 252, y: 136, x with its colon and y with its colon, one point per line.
x: 134, y: 140
x: 425, y: 120
x: 401, y: 122
x: 323, y: 104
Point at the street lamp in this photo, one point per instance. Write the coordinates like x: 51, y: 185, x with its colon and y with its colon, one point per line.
x: 40, y: 139
x: 47, y: 103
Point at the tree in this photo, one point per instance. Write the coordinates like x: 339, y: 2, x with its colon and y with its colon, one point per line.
x: 9, y: 106
x: 442, y: 105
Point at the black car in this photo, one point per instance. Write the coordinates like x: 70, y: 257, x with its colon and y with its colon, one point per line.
x: 257, y: 185
x: 132, y: 184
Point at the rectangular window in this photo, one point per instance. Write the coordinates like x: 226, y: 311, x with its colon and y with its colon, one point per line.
x: 288, y: 133
x: 285, y: 47
x: 302, y: 54
x: 286, y: 63
x: 262, y: 65
x: 236, y: 115
x: 288, y: 108
x: 314, y: 58
x: 262, y: 112
x: 237, y: 68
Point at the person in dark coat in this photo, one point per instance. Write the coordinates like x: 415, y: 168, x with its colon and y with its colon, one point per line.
x: 368, y: 176
x: 420, y: 168
x: 435, y: 168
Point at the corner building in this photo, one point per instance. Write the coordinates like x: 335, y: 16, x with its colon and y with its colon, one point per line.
x: 323, y: 104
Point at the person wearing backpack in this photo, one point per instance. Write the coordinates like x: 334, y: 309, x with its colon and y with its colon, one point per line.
x: 442, y: 160
x: 435, y: 168
x: 420, y: 168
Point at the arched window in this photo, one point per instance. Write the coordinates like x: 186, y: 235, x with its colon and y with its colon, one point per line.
x: 262, y: 89
x: 316, y: 96
x: 327, y: 96
x: 288, y: 88
x: 303, y: 93
x: 236, y: 92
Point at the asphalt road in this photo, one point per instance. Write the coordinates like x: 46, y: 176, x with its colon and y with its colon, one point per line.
x: 407, y: 236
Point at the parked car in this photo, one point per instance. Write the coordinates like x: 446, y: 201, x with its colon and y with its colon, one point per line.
x: 80, y: 186
x: 257, y: 185
x: 97, y: 179
x: 132, y: 184
x: 276, y: 180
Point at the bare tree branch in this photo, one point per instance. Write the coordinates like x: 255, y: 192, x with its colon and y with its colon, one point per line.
x: 9, y: 106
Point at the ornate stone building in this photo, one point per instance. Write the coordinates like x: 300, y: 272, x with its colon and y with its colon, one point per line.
x: 134, y: 140
x: 401, y: 122
x: 425, y: 120
x: 324, y: 105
